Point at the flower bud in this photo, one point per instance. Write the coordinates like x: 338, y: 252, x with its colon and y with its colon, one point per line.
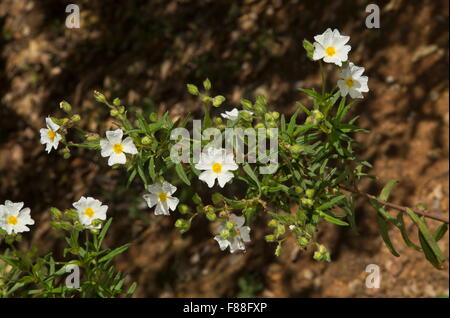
x: 303, y: 241
x: 246, y: 116
x: 259, y: 125
x: 307, y: 202
x: 65, y: 106
x: 116, y: 101
x: 217, y: 198
x: 183, y: 208
x: 310, y: 193
x: 275, y: 115
x: 211, y: 216
x: 270, y: 238
x: 114, y: 112
x: 196, y: 199
x: 207, y: 84
x: 272, y: 223
x: 75, y: 118
x: 298, y: 189
x: 229, y: 225
x: 192, y: 89
x: 218, y: 100
x: 217, y: 120
x: 222, y: 214
x: 99, y: 97
x: 146, y: 140
x: 225, y: 234
x: 268, y: 117
x: 66, y: 155
x: 55, y: 213
x: 246, y: 104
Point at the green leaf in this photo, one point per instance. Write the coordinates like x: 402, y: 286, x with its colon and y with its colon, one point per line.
x: 383, y: 225
x: 386, y: 191
x: 141, y: 173
x: 151, y: 168
x: 427, y: 236
x: 182, y: 174
x: 292, y: 122
x: 332, y: 219
x: 401, y: 226
x: 428, y: 251
x: 114, y: 253
x: 249, y: 171
x: 330, y: 203
x: 131, y: 177
x: 440, y: 232
x: 102, y: 234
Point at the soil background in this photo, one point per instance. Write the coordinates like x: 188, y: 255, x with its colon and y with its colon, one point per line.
x: 146, y: 51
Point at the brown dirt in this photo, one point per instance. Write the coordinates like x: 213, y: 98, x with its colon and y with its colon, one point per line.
x: 140, y: 51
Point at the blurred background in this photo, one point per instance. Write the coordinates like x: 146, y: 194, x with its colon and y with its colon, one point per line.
x: 144, y: 52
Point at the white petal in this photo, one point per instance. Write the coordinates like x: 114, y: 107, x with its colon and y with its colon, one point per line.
x: 114, y: 136
x: 342, y: 88
x: 128, y: 146
x: 319, y: 52
x: 223, y: 244
x: 236, y: 244
x: 51, y: 125
x: 151, y: 199
x: 172, y: 202
x: 168, y: 188
x: 162, y: 209
x: 117, y: 158
x: 237, y: 220
x: 224, y: 177
x: 155, y: 188
x: 245, y: 233
x: 209, y: 177
x: 106, y: 148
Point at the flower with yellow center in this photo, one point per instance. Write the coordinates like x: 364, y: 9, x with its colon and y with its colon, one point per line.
x: 238, y: 235
x: 352, y: 82
x: 49, y: 136
x: 217, y: 165
x: 330, y: 46
x: 90, y: 209
x: 115, y: 148
x: 161, y: 196
x: 14, y: 219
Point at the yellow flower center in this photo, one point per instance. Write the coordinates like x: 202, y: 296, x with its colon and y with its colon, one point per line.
x: 118, y: 148
x: 349, y: 82
x: 217, y: 167
x: 162, y: 197
x: 89, y: 212
x: 51, y: 134
x: 330, y: 51
x: 12, y: 220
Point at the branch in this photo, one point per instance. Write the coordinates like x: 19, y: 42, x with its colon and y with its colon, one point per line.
x: 396, y: 206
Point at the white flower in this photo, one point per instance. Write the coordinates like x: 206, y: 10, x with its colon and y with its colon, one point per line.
x: 114, y: 148
x: 49, y: 136
x: 161, y: 196
x: 234, y: 114
x: 90, y: 209
x: 239, y: 234
x: 330, y: 46
x: 351, y: 82
x: 217, y: 164
x: 14, y: 219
